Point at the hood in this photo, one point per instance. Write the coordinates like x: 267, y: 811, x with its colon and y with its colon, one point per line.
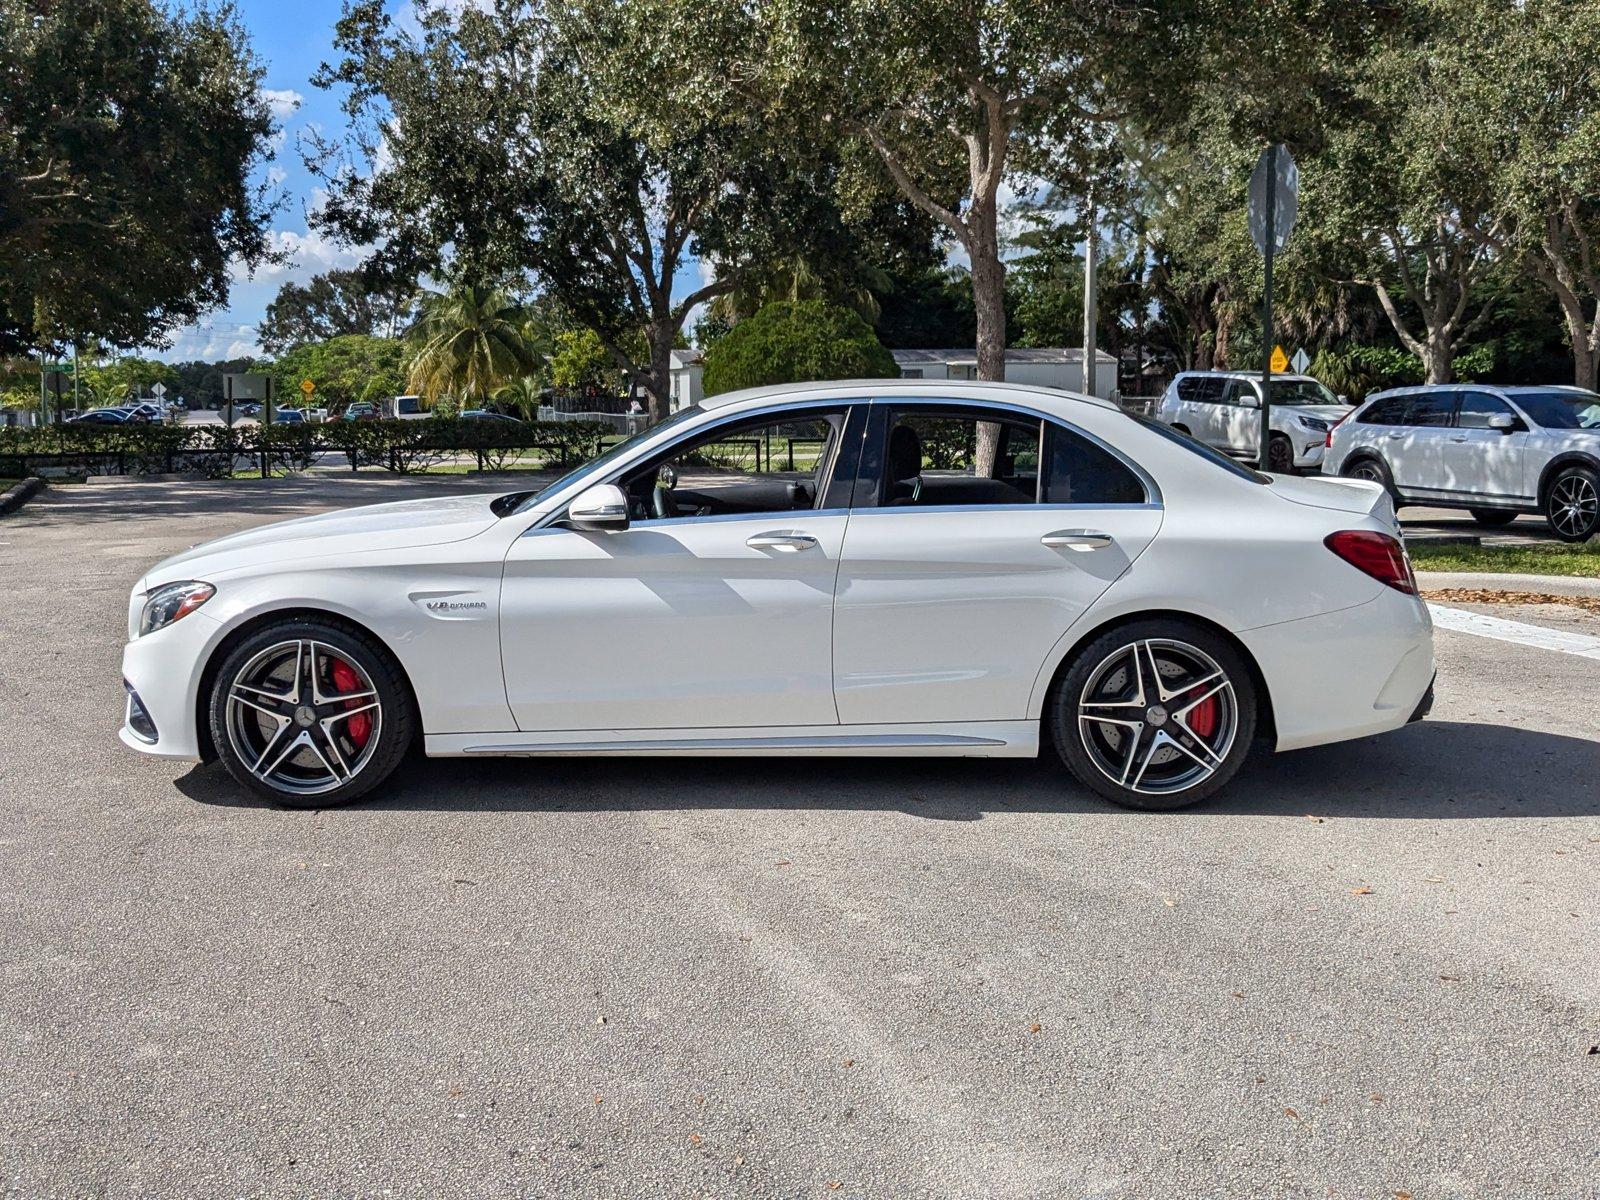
x: 1359, y: 496
x: 344, y: 531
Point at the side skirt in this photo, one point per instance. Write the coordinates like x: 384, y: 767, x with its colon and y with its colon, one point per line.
x: 973, y: 739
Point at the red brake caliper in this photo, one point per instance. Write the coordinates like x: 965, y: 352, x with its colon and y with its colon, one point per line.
x: 1203, y: 720
x: 346, y: 680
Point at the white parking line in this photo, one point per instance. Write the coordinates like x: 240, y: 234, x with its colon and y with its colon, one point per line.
x: 1460, y: 620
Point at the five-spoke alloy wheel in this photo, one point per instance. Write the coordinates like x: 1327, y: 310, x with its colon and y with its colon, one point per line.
x: 1155, y: 715
x: 310, y: 714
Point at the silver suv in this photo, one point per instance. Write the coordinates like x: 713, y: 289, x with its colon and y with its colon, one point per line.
x: 1223, y: 409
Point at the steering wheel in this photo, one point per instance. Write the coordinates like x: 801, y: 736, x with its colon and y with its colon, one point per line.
x: 661, y: 502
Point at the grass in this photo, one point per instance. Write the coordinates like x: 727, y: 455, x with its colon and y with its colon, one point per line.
x: 1554, y: 558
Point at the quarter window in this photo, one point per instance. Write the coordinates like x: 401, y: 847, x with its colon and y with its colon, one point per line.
x: 1079, y: 472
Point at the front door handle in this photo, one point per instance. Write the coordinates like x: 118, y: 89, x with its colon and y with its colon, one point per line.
x: 787, y: 541
x: 1082, y: 540
x: 1458, y: 439
x: 1395, y: 436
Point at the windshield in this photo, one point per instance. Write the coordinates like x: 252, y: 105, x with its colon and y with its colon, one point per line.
x: 1200, y: 448
x: 1561, y: 410
x: 1301, y: 391
x: 597, y: 465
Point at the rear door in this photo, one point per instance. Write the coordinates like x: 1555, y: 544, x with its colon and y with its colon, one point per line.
x: 969, y: 553
x: 1239, y: 418
x: 1485, y: 462
x: 1416, y: 449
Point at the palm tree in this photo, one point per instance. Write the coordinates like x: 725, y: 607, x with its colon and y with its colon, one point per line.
x: 470, y: 341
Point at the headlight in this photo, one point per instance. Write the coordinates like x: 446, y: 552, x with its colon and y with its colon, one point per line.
x: 171, y: 601
x: 1316, y: 423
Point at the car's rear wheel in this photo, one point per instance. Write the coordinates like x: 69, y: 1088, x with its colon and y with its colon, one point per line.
x: 1156, y: 714
x: 1374, y: 471
x: 1572, y: 504
x: 1492, y: 518
x: 310, y: 714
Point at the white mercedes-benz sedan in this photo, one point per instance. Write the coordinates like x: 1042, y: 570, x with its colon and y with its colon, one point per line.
x: 889, y: 567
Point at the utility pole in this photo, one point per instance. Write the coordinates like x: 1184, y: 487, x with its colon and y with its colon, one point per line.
x: 1091, y: 293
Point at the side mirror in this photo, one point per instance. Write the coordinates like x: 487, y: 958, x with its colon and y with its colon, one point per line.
x: 1504, y: 422
x: 602, y: 508
x: 1343, y: 399
x: 1249, y: 400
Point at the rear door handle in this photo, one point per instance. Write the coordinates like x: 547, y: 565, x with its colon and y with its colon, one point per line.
x: 1077, y: 539
x: 1459, y: 439
x: 1395, y: 436
x: 786, y: 541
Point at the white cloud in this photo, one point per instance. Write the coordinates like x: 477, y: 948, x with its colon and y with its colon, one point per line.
x: 210, y: 343
x: 284, y: 101
x: 276, y: 175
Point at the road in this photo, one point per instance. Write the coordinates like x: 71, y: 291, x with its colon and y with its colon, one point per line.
x: 1366, y: 971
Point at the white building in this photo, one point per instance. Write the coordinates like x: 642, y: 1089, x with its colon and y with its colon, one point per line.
x: 1044, y: 366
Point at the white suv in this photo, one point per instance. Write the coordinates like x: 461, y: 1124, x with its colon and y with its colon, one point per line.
x: 1494, y: 451
x: 1223, y: 409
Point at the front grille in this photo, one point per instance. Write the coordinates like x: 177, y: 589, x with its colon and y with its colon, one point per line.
x: 138, y: 719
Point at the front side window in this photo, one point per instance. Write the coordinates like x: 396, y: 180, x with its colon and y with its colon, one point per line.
x: 1300, y: 391
x: 1562, y: 410
x: 767, y: 464
x: 595, y: 466
x: 1478, y: 407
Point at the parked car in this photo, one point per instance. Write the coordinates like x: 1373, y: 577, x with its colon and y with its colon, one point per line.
x: 144, y: 410
x: 1494, y: 451
x: 483, y: 414
x: 362, y: 410
x: 102, y: 416
x: 288, y: 416
x: 1223, y: 410
x: 410, y: 408
x: 1095, y: 583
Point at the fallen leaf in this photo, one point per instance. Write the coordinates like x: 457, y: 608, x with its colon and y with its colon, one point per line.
x: 1169, y: 903
x: 849, y: 1062
x: 1402, y: 1196
x: 600, y: 1020
x: 1377, y: 1097
x: 1451, y: 978
x: 598, y: 1099
x: 1318, y: 820
x: 1361, y: 891
x: 834, y: 1185
x: 1238, y: 995
x: 1432, y: 879
x: 1035, y: 1027
x: 694, y: 1139
x: 738, y: 1160
x: 1289, y: 1112
x: 784, y: 862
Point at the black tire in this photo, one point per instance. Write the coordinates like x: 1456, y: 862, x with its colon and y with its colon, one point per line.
x: 305, y: 733
x: 1572, y: 504
x: 1493, y: 518
x: 1280, y: 455
x: 1375, y: 470
x: 1098, y: 681
x: 1183, y: 429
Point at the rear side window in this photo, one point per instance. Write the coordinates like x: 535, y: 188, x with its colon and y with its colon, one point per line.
x: 960, y: 457
x: 1390, y: 411
x: 1079, y: 472
x: 1201, y: 389
x: 1431, y: 410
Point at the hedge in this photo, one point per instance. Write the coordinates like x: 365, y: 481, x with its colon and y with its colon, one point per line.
x: 217, y: 450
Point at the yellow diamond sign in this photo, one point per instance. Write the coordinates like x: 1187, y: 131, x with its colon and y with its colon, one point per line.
x: 307, y: 387
x: 1280, y: 360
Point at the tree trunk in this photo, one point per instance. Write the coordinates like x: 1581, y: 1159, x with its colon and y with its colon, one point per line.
x: 989, y: 304
x: 1438, y: 358
x: 1585, y: 365
x: 1091, y: 298
x: 661, y: 335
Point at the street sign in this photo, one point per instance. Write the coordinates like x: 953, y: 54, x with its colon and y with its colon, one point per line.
x: 158, y: 390
x: 1280, y: 360
x: 1300, y: 362
x: 1275, y: 167
x: 247, y: 387
x: 306, y: 388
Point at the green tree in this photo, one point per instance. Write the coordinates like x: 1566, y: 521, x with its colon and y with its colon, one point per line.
x: 353, y: 367
x: 580, y: 360
x: 129, y: 136
x: 796, y: 341
x: 469, y: 342
x: 126, y: 378
x: 331, y: 305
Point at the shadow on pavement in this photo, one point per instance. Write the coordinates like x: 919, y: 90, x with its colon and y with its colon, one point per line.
x: 1429, y: 770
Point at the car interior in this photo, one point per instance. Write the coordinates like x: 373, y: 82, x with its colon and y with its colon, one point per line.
x: 946, y: 458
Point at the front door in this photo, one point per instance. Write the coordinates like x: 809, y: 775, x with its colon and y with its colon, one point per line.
x: 1484, y: 462
x: 1240, y: 419
x: 973, y: 562
x: 713, y: 609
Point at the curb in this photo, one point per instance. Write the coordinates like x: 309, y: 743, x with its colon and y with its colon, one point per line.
x: 21, y: 494
x: 1555, y: 585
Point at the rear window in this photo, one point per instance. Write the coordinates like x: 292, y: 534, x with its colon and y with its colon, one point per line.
x: 1200, y: 448
x: 407, y: 405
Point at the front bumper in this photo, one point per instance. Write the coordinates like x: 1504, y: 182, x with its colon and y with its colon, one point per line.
x: 1308, y: 448
x: 161, y: 673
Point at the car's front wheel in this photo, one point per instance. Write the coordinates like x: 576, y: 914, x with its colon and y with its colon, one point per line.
x: 310, y: 713
x: 1156, y: 714
x: 1572, y: 504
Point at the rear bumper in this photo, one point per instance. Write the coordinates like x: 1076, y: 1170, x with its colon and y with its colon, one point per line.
x: 1347, y: 674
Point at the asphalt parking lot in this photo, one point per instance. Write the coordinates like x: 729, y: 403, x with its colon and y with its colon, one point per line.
x: 1370, y: 970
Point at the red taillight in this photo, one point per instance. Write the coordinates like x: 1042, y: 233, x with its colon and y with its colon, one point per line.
x: 1376, y: 554
x: 1327, y: 442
